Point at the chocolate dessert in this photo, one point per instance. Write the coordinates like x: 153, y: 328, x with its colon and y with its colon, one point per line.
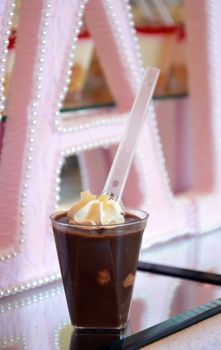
x: 98, y: 265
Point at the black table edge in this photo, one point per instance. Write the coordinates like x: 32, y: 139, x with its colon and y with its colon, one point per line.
x: 168, y: 327
x: 193, y: 275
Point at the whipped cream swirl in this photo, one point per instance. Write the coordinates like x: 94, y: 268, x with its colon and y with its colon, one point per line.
x: 93, y: 210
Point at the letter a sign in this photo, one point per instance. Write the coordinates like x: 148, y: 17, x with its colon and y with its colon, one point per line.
x: 37, y: 139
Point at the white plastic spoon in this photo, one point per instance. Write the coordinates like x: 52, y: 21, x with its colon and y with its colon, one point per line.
x: 118, y: 174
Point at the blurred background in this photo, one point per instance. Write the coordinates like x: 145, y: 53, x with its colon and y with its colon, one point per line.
x: 160, y: 27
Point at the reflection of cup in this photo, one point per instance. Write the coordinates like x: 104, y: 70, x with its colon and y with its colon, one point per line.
x: 157, y: 45
x: 98, y: 266
x: 93, y: 340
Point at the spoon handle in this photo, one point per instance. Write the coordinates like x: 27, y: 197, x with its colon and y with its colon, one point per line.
x: 118, y: 174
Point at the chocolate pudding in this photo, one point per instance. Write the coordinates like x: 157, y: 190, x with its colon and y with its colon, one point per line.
x: 98, y: 266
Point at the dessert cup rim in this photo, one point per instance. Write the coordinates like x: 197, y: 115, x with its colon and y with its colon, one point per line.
x: 127, y: 210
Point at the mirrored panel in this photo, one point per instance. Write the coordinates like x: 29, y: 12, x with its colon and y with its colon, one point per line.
x: 160, y: 27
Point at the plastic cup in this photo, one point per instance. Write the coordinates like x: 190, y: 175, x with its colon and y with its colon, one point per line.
x: 98, y: 266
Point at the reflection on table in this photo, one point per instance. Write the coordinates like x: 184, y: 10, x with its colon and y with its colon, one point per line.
x: 196, y: 252
x: 40, y: 316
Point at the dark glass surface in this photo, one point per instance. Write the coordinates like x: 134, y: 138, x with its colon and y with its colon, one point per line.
x: 40, y: 316
x: 199, y: 252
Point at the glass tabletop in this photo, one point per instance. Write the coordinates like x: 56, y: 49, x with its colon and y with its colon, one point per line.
x: 40, y: 316
x: 195, y: 252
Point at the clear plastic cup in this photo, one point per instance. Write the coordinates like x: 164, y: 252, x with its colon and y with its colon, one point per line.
x: 98, y: 266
